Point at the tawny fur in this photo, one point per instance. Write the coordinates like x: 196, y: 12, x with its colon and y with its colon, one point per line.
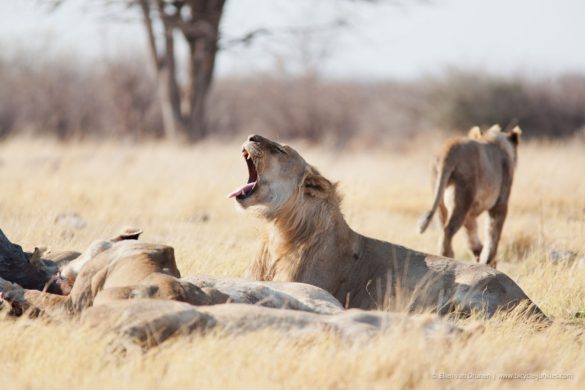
x: 473, y: 175
x: 129, y: 270
x: 126, y: 270
x: 309, y: 241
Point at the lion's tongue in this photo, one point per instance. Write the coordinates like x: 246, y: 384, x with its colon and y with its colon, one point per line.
x: 243, y: 190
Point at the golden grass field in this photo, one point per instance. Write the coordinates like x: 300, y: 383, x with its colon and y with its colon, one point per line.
x: 177, y: 195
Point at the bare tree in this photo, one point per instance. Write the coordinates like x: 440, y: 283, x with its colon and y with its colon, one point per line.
x: 197, y: 21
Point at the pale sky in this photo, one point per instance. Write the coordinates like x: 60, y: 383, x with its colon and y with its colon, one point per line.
x: 528, y: 37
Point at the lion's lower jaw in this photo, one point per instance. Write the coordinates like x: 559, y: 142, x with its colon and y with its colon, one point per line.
x: 256, y: 210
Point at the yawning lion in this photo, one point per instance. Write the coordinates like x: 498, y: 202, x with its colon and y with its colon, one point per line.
x: 309, y: 241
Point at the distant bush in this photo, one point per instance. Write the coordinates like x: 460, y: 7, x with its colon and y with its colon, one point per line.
x: 545, y: 108
x: 71, y: 99
x: 311, y: 108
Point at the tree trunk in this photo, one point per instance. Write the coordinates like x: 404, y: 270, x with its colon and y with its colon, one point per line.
x: 198, y: 88
x: 200, y: 27
x: 202, y: 41
x: 164, y: 68
x: 16, y: 267
x: 169, y: 91
x: 172, y: 120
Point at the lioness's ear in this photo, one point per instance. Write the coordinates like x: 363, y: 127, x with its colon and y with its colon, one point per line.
x: 129, y: 233
x: 474, y: 133
x: 495, y: 129
x: 514, y: 135
x: 316, y: 185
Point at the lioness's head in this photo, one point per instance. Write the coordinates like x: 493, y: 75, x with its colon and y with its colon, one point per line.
x: 508, y: 140
x: 278, y: 177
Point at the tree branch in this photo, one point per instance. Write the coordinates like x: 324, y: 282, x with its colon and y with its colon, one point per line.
x: 145, y: 7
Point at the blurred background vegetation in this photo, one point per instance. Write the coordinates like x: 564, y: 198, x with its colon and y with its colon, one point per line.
x: 73, y: 97
x: 61, y: 97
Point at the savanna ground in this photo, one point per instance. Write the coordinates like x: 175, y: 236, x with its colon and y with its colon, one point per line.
x: 177, y: 195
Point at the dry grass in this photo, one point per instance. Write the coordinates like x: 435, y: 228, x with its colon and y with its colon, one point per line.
x: 177, y: 195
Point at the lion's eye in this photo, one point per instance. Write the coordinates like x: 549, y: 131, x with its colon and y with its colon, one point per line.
x: 277, y: 149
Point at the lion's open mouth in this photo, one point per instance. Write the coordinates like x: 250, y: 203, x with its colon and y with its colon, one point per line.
x: 246, y: 190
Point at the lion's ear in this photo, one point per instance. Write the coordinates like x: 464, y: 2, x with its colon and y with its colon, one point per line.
x: 514, y: 135
x: 316, y: 185
x: 474, y: 133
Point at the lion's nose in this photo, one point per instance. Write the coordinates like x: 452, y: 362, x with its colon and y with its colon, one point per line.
x: 254, y: 138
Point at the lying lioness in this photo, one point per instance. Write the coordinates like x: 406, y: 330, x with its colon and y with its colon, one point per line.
x: 123, y: 270
x: 309, y: 241
x: 116, y: 269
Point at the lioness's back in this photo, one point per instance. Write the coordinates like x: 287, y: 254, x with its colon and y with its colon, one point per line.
x: 473, y: 175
